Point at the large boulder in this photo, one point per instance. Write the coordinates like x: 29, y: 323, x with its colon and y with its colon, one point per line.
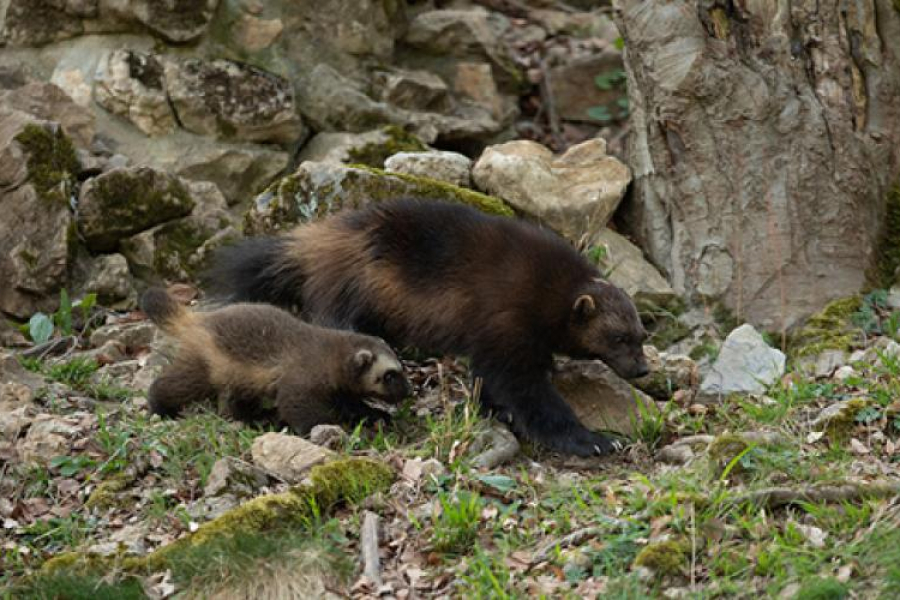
x: 745, y: 365
x: 575, y: 193
x: 132, y: 85
x: 233, y: 101
x: 318, y: 189
x: 627, y: 268
x: 126, y: 201
x: 38, y: 166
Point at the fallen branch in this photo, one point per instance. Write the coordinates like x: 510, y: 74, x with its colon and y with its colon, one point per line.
x: 848, y: 492
x: 578, y: 537
x: 51, y: 347
x: 368, y: 538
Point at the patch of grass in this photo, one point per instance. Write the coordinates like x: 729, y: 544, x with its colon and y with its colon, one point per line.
x: 81, y: 587
x: 486, y: 576
x: 456, y: 527
x: 822, y: 588
x: 76, y: 372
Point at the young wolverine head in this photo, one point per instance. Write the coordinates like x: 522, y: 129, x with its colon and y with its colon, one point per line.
x: 604, y: 324
x: 378, y: 373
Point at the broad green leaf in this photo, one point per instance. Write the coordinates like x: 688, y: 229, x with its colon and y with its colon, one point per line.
x: 501, y: 483
x: 599, y: 113
x: 40, y: 328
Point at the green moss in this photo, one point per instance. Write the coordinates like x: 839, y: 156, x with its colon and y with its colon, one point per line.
x: 106, y: 494
x: 423, y: 187
x: 52, y: 162
x: 882, y: 274
x: 399, y: 140
x: 663, y: 558
x: 725, y: 448
x: 829, y: 329
x: 841, y: 425
x: 338, y: 482
x: 822, y: 588
x: 176, y: 244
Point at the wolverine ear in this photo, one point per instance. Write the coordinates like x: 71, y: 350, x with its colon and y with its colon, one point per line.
x: 363, y: 359
x: 584, y: 307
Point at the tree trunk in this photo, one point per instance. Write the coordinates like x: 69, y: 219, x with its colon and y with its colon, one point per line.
x: 765, y: 137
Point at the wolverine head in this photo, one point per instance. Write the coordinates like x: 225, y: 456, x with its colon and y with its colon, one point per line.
x: 604, y: 324
x: 378, y: 373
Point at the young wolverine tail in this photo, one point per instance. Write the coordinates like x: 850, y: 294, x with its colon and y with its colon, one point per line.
x: 256, y: 270
x: 162, y: 308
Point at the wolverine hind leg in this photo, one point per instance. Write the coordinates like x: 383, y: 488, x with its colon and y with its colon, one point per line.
x: 184, y: 382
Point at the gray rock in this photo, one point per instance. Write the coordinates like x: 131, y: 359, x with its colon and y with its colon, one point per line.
x: 180, y: 249
x: 12, y: 371
x: 413, y: 90
x: 332, y: 101
x: 493, y: 448
x: 48, y: 102
x: 575, y: 92
x: 575, y: 193
x: 628, y: 269
x: 39, y: 22
x: 332, y: 437
x: 232, y: 476
x: 288, y: 456
x: 463, y: 34
x: 123, y: 202
x: 140, y: 334
x: 415, y: 469
x: 233, y: 101
x: 38, y: 166
x: 828, y: 362
x: 107, y: 276
x: 369, y: 148
x: 601, y: 399
x: 451, y: 167
x: 132, y: 85
x: 745, y: 365
x: 668, y: 373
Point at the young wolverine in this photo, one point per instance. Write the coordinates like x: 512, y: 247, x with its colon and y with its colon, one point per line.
x: 449, y: 278
x: 247, y: 353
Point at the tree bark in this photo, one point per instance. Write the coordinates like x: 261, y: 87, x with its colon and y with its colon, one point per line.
x: 765, y: 137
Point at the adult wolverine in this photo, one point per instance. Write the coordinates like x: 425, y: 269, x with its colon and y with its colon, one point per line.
x: 448, y: 278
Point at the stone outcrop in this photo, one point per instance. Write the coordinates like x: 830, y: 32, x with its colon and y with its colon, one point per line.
x: 575, y: 193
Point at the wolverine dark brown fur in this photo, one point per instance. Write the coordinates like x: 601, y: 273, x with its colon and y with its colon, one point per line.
x: 247, y: 353
x: 448, y: 278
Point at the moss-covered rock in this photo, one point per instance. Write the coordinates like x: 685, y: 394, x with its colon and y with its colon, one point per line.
x: 370, y: 148
x: 52, y: 162
x: 344, y: 481
x: 669, y: 557
x: 126, y: 201
x: 106, y: 494
x: 319, y: 189
x: 830, y: 329
x: 840, y: 419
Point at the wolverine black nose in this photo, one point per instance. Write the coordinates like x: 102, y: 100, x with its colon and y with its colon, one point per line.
x: 641, y: 371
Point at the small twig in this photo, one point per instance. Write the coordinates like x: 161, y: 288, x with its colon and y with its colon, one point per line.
x: 50, y: 347
x: 369, y: 542
x: 578, y: 537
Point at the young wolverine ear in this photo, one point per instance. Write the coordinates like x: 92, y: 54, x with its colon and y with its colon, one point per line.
x: 584, y: 306
x: 363, y: 359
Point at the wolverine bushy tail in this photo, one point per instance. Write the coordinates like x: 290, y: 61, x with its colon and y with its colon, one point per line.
x: 162, y: 308
x: 256, y: 270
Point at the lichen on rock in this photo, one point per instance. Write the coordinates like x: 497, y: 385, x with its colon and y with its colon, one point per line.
x: 829, y: 329
x: 52, y: 162
x: 318, y: 189
x: 126, y: 201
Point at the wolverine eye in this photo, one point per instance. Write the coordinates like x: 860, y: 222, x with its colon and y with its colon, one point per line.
x: 390, y: 376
